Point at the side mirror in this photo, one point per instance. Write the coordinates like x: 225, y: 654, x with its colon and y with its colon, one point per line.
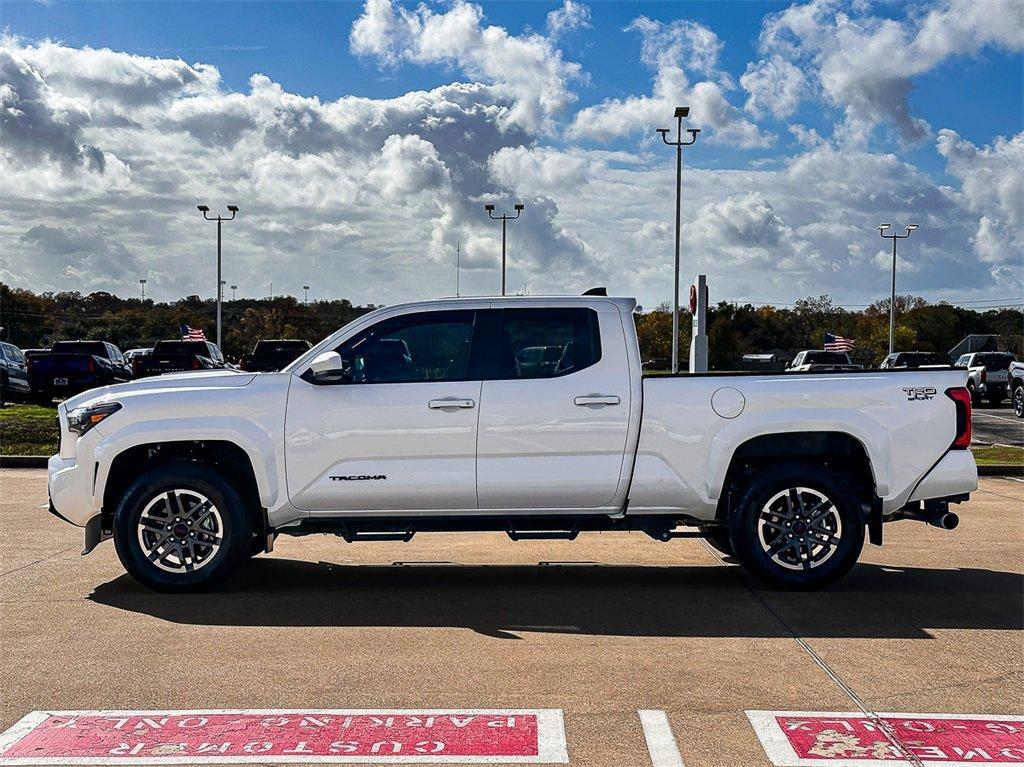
x: 329, y: 368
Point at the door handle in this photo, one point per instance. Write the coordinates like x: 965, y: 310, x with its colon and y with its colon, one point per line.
x: 447, y: 402
x: 596, y: 399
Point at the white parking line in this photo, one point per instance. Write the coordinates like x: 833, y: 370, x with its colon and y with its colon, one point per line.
x: 661, y: 744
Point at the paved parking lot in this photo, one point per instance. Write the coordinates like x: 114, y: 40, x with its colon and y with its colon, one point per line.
x: 996, y: 426
x: 599, y: 629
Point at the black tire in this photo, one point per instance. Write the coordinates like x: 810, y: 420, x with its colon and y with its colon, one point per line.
x: 975, y: 398
x: 1018, y: 401
x: 794, y: 554
x: 188, y: 560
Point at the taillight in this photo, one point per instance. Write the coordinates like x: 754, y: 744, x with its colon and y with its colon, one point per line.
x: 241, y: 364
x: 984, y: 375
x: 962, y: 397
x: 195, y: 364
x: 92, y: 366
x: 135, y: 367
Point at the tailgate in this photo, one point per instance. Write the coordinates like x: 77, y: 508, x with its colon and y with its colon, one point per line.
x: 155, y: 363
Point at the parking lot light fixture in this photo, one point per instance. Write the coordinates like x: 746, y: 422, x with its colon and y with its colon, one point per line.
x: 233, y: 289
x: 679, y: 143
x: 892, y: 292
x: 504, y: 218
x: 205, y: 210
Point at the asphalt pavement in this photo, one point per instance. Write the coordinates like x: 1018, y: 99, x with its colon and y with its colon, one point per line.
x: 593, y: 632
x: 996, y: 426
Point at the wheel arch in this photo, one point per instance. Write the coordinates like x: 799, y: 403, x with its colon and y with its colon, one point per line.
x: 225, y: 456
x: 837, y: 450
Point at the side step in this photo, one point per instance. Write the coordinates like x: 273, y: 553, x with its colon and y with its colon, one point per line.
x: 357, y: 536
x: 542, y: 535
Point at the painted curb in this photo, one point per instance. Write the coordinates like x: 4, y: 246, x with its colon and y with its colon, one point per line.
x: 23, y: 461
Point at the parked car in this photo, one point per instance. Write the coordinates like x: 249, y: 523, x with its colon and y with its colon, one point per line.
x: 989, y: 374
x: 178, y: 356
x: 899, y: 360
x: 13, y: 373
x: 133, y: 353
x: 1016, y: 373
x: 71, y: 367
x: 821, y: 360
x: 421, y: 418
x: 271, y: 355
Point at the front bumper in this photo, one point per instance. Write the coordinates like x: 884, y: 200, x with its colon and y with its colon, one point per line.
x: 70, y: 488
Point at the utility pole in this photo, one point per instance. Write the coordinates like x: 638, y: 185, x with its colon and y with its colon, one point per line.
x: 205, y: 210
x: 305, y: 294
x: 892, y: 292
x: 680, y: 113
x: 504, y: 218
x: 233, y: 289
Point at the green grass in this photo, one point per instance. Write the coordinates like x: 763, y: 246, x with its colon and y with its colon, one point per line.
x: 1002, y: 455
x: 28, y: 430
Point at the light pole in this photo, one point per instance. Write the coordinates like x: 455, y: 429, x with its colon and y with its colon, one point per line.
x: 205, y: 210
x: 458, y: 257
x: 504, y: 218
x: 222, y: 284
x: 892, y: 293
x: 233, y: 289
x: 680, y: 113
x: 305, y: 294
x: 143, y: 284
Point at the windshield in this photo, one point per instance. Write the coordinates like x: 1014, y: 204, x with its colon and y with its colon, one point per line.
x: 994, y: 361
x: 182, y: 347
x: 826, y: 358
x: 282, y: 347
x: 95, y: 348
x: 917, y: 359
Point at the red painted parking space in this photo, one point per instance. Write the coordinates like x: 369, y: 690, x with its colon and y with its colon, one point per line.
x: 273, y: 736
x: 828, y: 739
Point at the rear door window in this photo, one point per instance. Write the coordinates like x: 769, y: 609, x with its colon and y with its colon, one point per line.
x: 547, y: 343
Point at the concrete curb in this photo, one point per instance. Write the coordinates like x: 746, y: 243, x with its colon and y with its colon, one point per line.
x: 997, y: 470
x: 39, y: 462
x: 23, y: 461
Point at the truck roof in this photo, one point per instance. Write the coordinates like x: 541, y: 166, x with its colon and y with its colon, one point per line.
x: 625, y: 302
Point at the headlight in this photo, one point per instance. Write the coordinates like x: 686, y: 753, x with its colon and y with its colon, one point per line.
x: 81, y: 419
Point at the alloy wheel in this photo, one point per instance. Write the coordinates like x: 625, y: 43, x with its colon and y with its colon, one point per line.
x: 180, y: 531
x: 799, y: 528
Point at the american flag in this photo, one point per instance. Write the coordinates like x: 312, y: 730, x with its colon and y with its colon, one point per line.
x: 838, y: 343
x: 192, y: 334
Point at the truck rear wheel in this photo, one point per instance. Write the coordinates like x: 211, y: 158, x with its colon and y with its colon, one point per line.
x: 181, y: 527
x: 797, y: 526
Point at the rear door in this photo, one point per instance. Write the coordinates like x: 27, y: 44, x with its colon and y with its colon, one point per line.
x: 555, y: 407
x: 399, y: 434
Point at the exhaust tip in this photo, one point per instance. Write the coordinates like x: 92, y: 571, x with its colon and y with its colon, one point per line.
x: 949, y: 521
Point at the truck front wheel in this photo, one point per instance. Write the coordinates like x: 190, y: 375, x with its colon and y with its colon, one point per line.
x: 797, y: 526
x: 181, y: 527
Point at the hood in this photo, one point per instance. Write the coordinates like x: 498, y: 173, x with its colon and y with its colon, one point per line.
x: 199, y: 380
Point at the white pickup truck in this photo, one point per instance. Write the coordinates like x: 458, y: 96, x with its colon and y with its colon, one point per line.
x: 528, y: 416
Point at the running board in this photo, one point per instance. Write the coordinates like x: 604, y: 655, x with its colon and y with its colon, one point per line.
x: 542, y: 535
x: 357, y: 537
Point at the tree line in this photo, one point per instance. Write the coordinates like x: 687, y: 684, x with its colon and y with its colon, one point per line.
x: 30, y: 320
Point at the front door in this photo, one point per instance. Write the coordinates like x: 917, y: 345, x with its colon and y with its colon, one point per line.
x: 399, y: 432
x: 555, y: 410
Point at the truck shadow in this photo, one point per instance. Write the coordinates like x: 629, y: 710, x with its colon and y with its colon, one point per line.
x: 588, y: 599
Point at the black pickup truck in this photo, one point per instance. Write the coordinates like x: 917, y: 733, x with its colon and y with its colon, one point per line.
x: 271, y: 355
x: 178, y: 357
x: 71, y: 367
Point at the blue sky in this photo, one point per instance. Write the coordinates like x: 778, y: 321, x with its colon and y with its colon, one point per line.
x: 747, y: 192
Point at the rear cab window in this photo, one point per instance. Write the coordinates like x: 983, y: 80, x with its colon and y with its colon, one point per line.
x: 547, y: 343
